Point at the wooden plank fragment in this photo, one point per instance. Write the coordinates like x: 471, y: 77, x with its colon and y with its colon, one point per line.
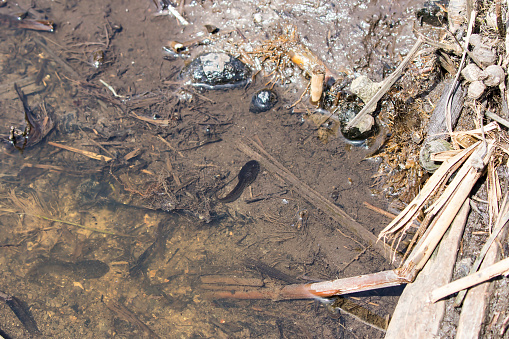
x: 413, y: 305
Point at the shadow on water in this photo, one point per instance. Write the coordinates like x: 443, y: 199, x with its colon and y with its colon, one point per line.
x: 111, y: 222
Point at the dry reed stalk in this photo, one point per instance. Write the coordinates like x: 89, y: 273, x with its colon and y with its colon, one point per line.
x: 403, y: 221
x: 443, y: 156
x: 495, y: 270
x: 494, y: 194
x: 88, y: 154
x: 400, y: 224
x: 502, y: 219
x: 235, y: 281
x: 387, y: 84
x: 460, y: 188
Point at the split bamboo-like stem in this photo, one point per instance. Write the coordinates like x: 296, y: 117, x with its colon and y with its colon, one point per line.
x: 412, y: 211
x: 462, y: 189
x: 500, y: 268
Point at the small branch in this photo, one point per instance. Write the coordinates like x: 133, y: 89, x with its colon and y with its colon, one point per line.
x: 497, y: 118
x: 66, y: 222
x: 175, y: 13
x: 123, y: 312
x: 320, y: 289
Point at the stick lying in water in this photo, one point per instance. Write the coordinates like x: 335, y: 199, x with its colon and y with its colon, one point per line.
x: 36, y: 25
x: 317, y: 199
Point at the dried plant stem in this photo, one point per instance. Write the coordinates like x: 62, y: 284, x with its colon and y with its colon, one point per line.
x: 65, y: 222
x: 503, y: 218
x: 448, y: 106
x: 500, y: 268
x: 387, y: 83
x: 88, y: 154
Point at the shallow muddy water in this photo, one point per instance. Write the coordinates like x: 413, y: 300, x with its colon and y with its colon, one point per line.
x: 89, y: 244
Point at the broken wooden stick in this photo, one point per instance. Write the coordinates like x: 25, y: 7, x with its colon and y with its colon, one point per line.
x: 124, y: 313
x: 317, y: 199
x: 318, y: 290
x: 91, y: 155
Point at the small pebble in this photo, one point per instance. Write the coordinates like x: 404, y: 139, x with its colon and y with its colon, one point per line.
x: 217, y: 70
x: 263, y: 101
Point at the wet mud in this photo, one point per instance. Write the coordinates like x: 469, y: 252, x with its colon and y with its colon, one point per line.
x: 116, y: 245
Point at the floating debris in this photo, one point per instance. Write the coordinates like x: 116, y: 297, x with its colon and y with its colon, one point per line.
x: 97, y: 58
x: 212, y: 29
x: 37, y: 125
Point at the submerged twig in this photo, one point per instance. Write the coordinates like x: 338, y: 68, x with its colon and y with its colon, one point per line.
x: 317, y: 199
x: 66, y: 222
x: 123, y: 312
x: 82, y: 152
x: 170, y: 10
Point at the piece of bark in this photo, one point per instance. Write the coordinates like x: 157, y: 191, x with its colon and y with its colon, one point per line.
x: 477, y: 302
x: 437, y: 126
x: 413, y: 306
